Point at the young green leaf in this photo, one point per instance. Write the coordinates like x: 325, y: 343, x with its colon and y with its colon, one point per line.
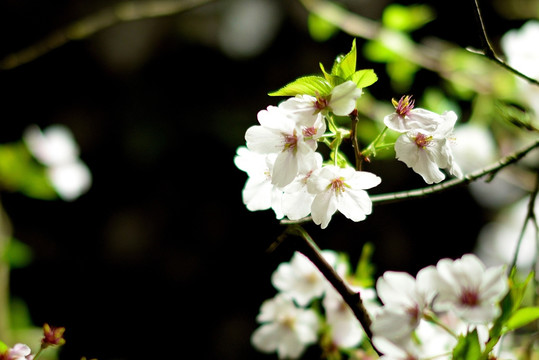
x: 407, y: 18
x: 3, y: 348
x: 364, y: 78
x: 345, y: 66
x: 468, y: 347
x: 17, y: 254
x: 307, y: 85
x: 522, y: 317
x: 333, y: 80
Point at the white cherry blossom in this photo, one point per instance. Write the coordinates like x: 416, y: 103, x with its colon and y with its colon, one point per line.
x: 300, y: 280
x: 291, y: 136
x: 297, y: 200
x: 405, y: 299
x: 428, y: 152
x: 392, y: 351
x: 346, y: 331
x: 258, y: 192
x: 341, y: 189
x: 286, y: 328
x: 469, y: 289
x: 56, y: 148
x: 343, y: 98
x: 408, y: 118
x: 19, y: 352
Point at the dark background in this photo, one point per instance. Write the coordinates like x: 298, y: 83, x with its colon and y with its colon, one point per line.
x: 160, y: 258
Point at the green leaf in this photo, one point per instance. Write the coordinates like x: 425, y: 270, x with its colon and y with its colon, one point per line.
x: 331, y: 79
x: 20, y: 172
x: 522, y: 317
x: 364, y: 78
x: 3, y: 347
x: 319, y: 28
x: 17, y: 254
x: 407, y: 18
x: 307, y: 85
x: 468, y: 347
x: 365, y: 269
x: 345, y: 65
x: 509, y: 304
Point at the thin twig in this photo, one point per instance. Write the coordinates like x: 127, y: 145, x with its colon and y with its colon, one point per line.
x: 491, y: 169
x: 530, y: 217
x: 409, y: 194
x: 88, y: 26
x: 355, y: 143
x: 489, y: 53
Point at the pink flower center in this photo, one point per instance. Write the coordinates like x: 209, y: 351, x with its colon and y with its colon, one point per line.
x: 404, y: 105
x: 422, y: 140
x: 413, y: 312
x: 338, y: 185
x: 309, y: 132
x: 469, y: 297
x: 321, y: 103
x: 290, y: 141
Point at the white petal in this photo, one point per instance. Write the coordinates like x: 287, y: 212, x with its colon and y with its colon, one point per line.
x: 344, y: 97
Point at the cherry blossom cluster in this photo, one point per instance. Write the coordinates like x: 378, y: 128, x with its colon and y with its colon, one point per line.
x: 425, y: 142
x: 288, y: 175
x: 422, y: 317
x: 292, y: 320
x: 419, y: 318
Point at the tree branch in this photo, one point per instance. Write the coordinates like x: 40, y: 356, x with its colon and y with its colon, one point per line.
x: 492, y: 169
x: 88, y: 26
x: 352, y: 298
x: 489, y: 53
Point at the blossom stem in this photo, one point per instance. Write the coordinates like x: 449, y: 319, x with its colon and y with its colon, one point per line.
x: 373, y: 146
x: 431, y: 317
x: 355, y: 144
x: 489, y: 170
x: 38, y: 353
x: 351, y: 297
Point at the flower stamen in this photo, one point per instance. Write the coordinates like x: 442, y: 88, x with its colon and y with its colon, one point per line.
x: 469, y: 297
x: 290, y: 141
x: 422, y: 140
x: 404, y: 105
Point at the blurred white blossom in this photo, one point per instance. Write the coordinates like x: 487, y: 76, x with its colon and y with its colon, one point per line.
x: 300, y: 279
x: 56, y: 148
x: 497, y: 241
x: 405, y: 299
x: 286, y: 328
x: 19, y: 352
x: 520, y: 48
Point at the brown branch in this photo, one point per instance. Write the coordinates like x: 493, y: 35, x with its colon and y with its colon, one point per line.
x: 88, y: 26
x: 489, y: 170
x: 351, y: 297
x: 446, y: 185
